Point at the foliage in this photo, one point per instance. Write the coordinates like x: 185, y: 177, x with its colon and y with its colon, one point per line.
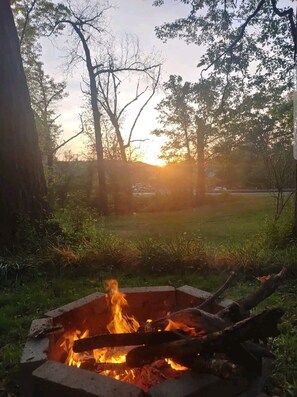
x: 31, y: 22
x: 238, y: 33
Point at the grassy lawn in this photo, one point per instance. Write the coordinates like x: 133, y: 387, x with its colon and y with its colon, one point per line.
x: 223, y: 219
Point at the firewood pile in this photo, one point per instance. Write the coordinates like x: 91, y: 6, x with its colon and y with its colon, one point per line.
x: 229, y: 342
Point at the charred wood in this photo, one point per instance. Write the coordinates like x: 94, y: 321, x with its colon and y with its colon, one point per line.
x: 219, y: 367
x: 240, y: 309
x: 192, y: 317
x: 256, y: 327
x: 126, y: 339
x: 201, y: 320
x: 218, y: 293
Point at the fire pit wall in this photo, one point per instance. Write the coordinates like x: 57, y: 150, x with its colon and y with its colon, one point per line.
x: 44, y: 374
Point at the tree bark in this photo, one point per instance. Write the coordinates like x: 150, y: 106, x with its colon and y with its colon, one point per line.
x: 126, y: 181
x: 200, y: 190
x: 103, y: 197
x: 126, y: 339
x: 23, y: 187
x: 294, y: 231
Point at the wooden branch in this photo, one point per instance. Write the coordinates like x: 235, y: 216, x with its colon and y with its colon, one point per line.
x: 240, y: 309
x: 143, y: 106
x: 92, y: 365
x: 130, y: 68
x: 126, y: 339
x: 239, y: 37
x: 222, y: 368
x: 256, y: 327
x: 29, y: 10
x: 72, y: 137
x: 258, y: 350
x: 193, y: 318
x: 218, y: 293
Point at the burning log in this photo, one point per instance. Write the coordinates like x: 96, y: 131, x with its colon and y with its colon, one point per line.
x: 199, y: 319
x: 101, y: 367
x: 126, y: 339
x: 192, y: 317
x: 256, y: 327
x: 219, y: 367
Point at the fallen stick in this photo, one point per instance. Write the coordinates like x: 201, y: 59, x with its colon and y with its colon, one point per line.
x: 101, y: 367
x: 195, y: 317
x: 219, y: 367
x: 240, y: 309
x: 199, y: 319
x: 192, y: 317
x: 218, y: 293
x: 256, y: 327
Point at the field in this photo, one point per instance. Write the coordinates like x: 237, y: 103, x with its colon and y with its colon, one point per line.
x: 224, y: 219
x: 224, y: 222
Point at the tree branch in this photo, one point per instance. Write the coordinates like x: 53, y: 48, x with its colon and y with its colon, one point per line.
x: 144, y: 105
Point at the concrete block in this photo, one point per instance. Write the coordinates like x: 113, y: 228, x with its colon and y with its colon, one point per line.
x: 34, y: 354
x: 74, y: 305
x: 150, y: 302
x: 187, y: 296
x: 58, y: 380
x: 194, y: 385
x: 90, y: 312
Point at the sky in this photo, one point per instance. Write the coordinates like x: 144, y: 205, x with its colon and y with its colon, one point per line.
x: 136, y: 17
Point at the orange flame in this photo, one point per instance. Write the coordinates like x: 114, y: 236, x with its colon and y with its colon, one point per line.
x: 121, y: 323
x: 172, y: 326
x: 175, y: 365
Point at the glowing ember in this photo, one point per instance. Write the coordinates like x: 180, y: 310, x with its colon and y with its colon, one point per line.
x: 171, y: 326
x: 121, y: 323
x: 175, y: 365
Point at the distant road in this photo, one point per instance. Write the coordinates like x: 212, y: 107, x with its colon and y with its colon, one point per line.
x: 258, y: 192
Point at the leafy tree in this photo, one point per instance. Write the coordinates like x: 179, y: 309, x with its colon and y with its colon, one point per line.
x: 187, y: 115
x: 45, y: 93
x: 238, y: 33
x: 252, y: 45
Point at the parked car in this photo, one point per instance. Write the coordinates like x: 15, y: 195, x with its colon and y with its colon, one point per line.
x: 220, y: 189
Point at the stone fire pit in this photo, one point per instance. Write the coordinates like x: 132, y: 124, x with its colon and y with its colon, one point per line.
x: 44, y: 374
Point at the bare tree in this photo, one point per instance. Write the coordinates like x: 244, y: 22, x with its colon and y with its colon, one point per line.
x: 87, y: 23
x: 109, y: 85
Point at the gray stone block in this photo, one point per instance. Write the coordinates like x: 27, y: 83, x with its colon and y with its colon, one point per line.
x: 194, y: 385
x: 74, y: 305
x: 34, y: 354
x: 54, y: 379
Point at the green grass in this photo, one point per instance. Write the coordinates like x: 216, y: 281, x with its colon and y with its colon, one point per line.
x: 224, y: 219
x: 194, y: 247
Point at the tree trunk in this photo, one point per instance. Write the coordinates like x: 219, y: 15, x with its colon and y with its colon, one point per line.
x: 126, y: 177
x: 294, y: 232
x: 23, y: 187
x: 103, y: 199
x: 200, y: 186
